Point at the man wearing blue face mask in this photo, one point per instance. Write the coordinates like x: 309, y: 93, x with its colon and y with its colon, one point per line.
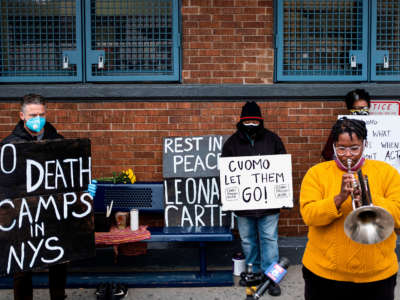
x: 33, y: 127
x: 258, y: 229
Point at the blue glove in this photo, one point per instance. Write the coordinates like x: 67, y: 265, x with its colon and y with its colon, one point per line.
x: 92, y: 187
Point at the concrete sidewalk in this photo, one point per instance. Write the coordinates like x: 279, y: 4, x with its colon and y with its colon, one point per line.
x: 292, y: 288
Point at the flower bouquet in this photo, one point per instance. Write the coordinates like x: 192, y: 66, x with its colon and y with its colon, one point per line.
x: 125, y: 176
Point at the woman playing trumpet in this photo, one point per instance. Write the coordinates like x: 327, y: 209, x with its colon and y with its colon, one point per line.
x: 334, y: 266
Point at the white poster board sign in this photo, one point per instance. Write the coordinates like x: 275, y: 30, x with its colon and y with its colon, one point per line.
x: 256, y: 182
x: 383, y: 139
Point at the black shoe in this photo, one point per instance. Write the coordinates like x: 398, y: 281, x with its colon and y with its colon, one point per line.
x: 274, y: 289
x: 118, y: 291
x: 103, y: 291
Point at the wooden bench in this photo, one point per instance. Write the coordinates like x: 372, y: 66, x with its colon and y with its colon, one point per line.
x: 149, y: 197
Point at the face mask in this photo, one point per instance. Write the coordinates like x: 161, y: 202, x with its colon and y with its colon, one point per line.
x: 251, y: 124
x: 363, y: 111
x: 36, y: 124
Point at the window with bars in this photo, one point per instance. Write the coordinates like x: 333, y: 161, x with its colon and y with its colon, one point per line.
x: 94, y: 40
x: 338, y: 40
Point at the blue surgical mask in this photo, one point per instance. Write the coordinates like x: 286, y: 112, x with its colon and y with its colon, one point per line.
x: 36, y: 124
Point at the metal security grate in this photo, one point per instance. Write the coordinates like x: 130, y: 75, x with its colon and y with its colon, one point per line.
x: 126, y: 199
x: 38, y: 40
x: 132, y: 38
x: 386, y: 40
x: 322, y: 40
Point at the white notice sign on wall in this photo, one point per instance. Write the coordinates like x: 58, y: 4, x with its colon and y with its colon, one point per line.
x: 256, y: 182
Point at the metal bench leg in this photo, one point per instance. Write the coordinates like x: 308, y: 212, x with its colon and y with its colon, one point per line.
x: 203, y: 259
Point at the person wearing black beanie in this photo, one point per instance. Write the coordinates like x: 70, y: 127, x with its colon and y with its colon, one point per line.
x: 258, y: 229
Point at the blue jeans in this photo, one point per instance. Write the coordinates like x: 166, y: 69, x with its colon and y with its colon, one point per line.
x: 259, y: 240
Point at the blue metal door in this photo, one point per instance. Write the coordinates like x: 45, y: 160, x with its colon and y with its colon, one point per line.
x: 322, y: 40
x: 40, y: 41
x: 132, y: 40
x: 385, y: 40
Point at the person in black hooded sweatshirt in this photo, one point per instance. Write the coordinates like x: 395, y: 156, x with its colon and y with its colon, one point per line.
x: 258, y: 229
x: 33, y: 127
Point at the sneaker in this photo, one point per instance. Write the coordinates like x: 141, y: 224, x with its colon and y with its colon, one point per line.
x: 102, y: 291
x: 274, y: 289
x: 118, y: 291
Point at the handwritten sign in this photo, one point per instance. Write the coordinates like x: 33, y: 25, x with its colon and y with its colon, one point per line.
x: 385, y: 107
x: 194, y: 202
x: 256, y: 182
x: 45, y: 216
x: 194, y: 156
x: 383, y: 139
x: 191, y: 181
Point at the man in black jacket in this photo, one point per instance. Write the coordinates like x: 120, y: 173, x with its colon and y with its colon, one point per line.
x: 258, y: 229
x: 33, y: 127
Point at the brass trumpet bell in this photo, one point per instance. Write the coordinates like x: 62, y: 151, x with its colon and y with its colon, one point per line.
x: 369, y: 224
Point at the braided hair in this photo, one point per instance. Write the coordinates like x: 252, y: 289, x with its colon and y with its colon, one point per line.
x: 350, y: 126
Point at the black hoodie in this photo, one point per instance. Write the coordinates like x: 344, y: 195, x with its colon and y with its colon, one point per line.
x: 263, y: 142
x: 20, y: 134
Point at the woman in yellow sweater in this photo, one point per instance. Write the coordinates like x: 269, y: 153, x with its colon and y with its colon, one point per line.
x: 334, y: 266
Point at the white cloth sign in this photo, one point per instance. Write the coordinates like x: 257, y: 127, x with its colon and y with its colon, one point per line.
x: 383, y: 139
x: 256, y: 182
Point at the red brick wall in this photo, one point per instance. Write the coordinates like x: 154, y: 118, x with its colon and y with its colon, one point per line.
x: 129, y: 134
x: 227, y: 41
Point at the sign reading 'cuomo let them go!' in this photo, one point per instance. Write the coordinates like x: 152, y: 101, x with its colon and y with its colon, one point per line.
x: 256, y: 182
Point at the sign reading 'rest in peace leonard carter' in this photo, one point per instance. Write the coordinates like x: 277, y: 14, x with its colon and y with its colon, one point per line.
x: 191, y: 181
x: 383, y: 138
x: 46, y: 218
x: 256, y: 182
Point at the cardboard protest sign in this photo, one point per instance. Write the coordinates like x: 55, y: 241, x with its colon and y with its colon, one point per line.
x: 193, y: 156
x: 194, y: 202
x: 191, y: 181
x: 383, y: 139
x: 45, y: 216
x: 256, y: 182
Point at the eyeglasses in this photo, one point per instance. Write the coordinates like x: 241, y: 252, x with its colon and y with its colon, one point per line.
x: 354, y: 150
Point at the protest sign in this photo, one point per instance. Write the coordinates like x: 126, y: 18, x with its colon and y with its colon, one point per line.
x: 194, y: 156
x: 45, y: 216
x: 383, y: 138
x: 256, y: 182
x: 194, y: 202
x: 191, y: 181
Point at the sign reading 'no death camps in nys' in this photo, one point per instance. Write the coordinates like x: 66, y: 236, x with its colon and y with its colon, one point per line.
x: 256, y: 182
x: 191, y: 181
x: 46, y: 217
x: 383, y: 139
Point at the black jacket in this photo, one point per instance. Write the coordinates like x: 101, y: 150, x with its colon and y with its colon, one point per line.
x: 265, y: 143
x: 19, y: 134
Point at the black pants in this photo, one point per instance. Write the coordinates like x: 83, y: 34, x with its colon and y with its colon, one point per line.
x: 57, y: 280
x: 317, y: 288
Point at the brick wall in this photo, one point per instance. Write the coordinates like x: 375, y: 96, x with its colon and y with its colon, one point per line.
x: 227, y: 41
x: 129, y: 134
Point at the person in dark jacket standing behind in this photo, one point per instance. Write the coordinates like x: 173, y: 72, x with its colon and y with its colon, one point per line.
x: 33, y: 127
x: 258, y: 229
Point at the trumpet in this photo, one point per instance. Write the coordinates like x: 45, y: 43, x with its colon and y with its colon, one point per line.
x: 367, y: 224
x: 354, y: 185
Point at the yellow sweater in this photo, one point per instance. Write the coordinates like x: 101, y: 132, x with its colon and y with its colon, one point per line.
x: 329, y: 252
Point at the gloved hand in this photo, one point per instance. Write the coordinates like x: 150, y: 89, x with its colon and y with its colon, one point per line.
x: 92, y: 187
